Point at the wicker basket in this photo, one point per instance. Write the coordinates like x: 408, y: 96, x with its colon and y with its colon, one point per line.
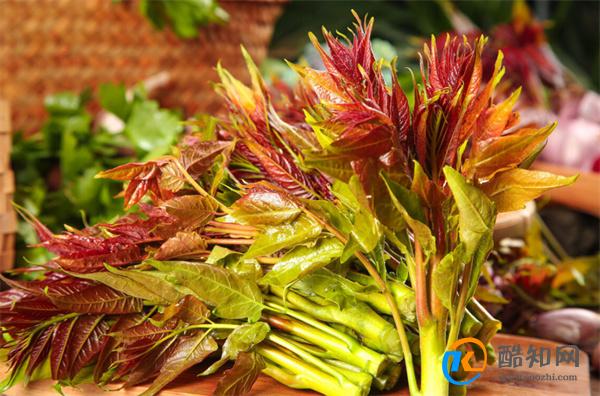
x: 47, y: 46
x: 8, y: 221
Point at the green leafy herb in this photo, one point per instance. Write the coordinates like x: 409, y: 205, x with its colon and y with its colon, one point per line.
x: 184, y: 16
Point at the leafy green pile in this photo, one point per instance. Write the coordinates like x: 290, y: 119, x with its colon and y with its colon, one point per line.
x: 184, y: 16
x: 55, y: 168
x: 331, y: 239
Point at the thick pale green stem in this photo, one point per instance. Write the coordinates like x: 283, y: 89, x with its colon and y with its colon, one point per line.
x: 298, y: 374
x: 389, y: 378
x: 375, y: 331
x: 306, y: 356
x: 404, y: 296
x: 433, y: 346
x: 461, y: 305
x: 333, y: 347
x: 353, y: 373
x: 404, y: 342
x: 420, y: 287
x: 490, y: 325
x: 470, y: 325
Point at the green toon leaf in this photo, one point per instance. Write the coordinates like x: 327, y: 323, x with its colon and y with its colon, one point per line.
x: 246, y: 268
x: 336, y: 168
x: 264, y: 205
x: 242, y: 339
x: 334, y: 215
x: 232, y: 296
x: 408, y: 199
x: 512, y: 189
x: 408, y: 204
x: 477, y: 216
x: 303, y: 260
x: 275, y: 238
x: 186, y: 17
x: 329, y: 286
x: 365, y: 230
x: 239, y: 379
x: 151, y: 286
x: 190, y: 350
x: 444, y: 276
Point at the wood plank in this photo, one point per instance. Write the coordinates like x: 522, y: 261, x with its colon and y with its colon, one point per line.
x: 519, y: 381
x: 494, y: 381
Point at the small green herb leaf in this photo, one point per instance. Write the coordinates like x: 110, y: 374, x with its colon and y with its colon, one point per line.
x: 113, y: 98
x: 151, y: 129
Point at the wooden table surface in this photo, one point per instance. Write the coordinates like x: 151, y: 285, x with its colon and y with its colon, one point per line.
x: 493, y: 382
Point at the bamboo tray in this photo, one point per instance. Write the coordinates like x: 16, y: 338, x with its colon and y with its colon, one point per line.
x: 493, y: 381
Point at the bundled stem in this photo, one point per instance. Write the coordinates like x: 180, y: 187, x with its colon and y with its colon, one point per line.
x: 391, y: 302
x: 375, y: 331
x: 296, y: 373
x: 339, y: 346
